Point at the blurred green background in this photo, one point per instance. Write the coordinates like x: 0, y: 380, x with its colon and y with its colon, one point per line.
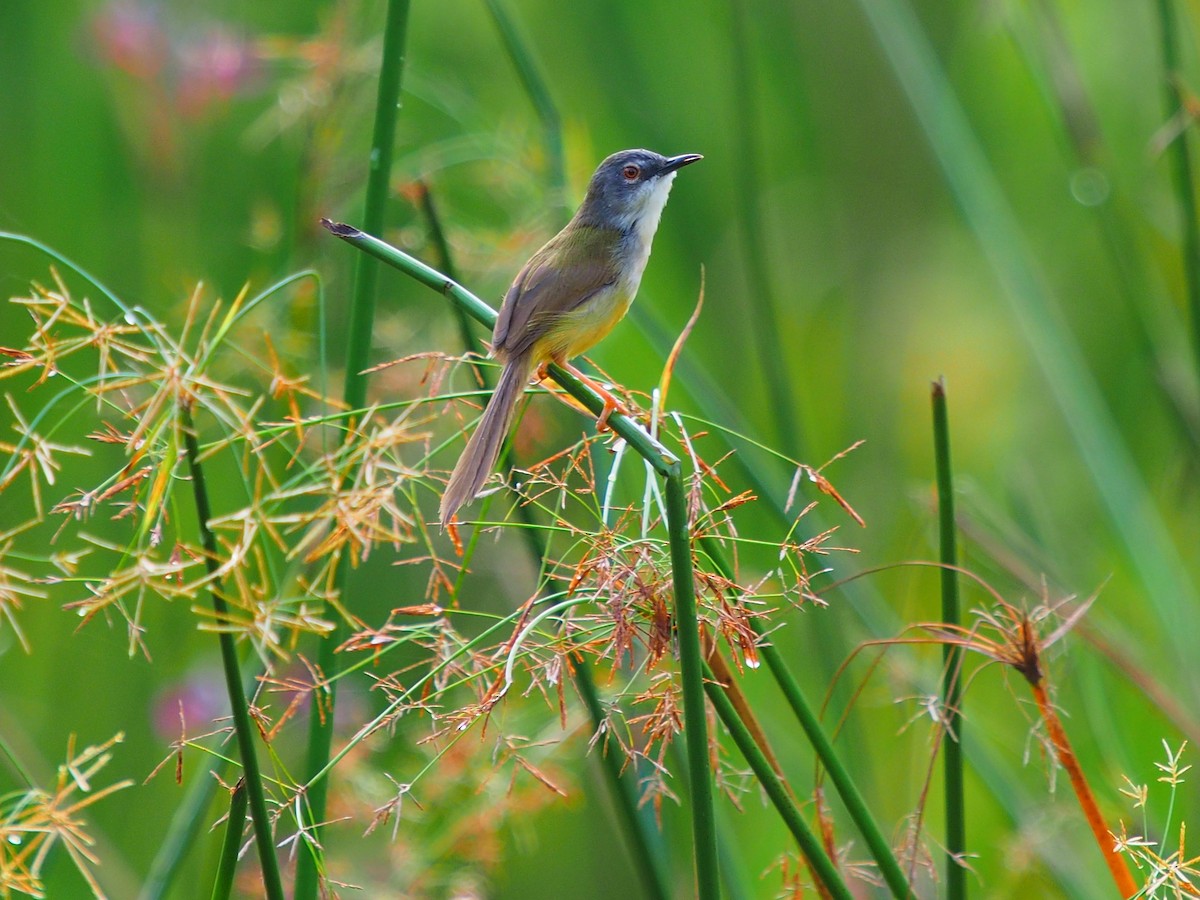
x: 976, y: 191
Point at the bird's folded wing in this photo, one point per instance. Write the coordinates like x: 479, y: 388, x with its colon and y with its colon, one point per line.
x: 556, y: 281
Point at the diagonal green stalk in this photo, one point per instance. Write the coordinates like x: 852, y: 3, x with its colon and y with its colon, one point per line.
x: 1181, y: 163
x: 810, y: 845
x: 182, y: 833
x: 956, y: 823
x: 362, y: 321
x: 223, y: 883
x: 889, y: 868
x: 437, y: 234
x: 233, y: 677
x: 665, y: 464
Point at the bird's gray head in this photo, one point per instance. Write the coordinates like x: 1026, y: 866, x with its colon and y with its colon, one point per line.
x: 629, y: 189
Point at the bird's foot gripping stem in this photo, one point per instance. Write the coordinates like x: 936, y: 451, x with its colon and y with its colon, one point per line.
x: 612, y: 404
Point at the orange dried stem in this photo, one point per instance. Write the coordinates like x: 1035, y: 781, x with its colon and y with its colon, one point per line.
x: 1083, y: 791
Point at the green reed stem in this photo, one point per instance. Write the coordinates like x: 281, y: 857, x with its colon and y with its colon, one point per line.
x: 843, y: 783
x: 818, y: 860
x: 223, y: 884
x: 952, y: 773
x: 1181, y: 164
x: 691, y: 667
x: 538, y: 90
x: 233, y: 677
x: 362, y: 322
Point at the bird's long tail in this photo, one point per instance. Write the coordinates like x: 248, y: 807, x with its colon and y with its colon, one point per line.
x: 479, y: 457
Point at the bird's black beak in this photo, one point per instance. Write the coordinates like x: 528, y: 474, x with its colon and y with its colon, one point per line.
x: 678, y: 162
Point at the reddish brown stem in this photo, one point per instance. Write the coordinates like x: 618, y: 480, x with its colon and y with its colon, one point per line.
x: 1066, y: 757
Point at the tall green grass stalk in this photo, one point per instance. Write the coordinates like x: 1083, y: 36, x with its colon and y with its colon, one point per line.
x: 1181, y: 164
x: 952, y: 656
x: 227, y: 867
x: 362, y: 320
x: 240, y: 710
x: 843, y: 783
x: 667, y: 466
x: 810, y: 845
x: 691, y: 665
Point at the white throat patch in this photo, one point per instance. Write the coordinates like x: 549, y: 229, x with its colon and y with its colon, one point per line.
x: 651, y: 212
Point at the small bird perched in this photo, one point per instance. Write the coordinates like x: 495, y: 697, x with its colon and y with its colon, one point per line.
x: 568, y: 296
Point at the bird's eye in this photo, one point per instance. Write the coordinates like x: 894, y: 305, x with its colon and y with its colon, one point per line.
x: 631, y: 173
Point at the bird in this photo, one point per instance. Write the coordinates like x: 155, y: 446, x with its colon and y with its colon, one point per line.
x: 567, y: 297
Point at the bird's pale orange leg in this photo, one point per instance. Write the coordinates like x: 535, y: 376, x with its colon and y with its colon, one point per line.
x: 611, y: 403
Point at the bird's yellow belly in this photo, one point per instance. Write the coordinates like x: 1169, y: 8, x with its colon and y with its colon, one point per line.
x: 581, y: 329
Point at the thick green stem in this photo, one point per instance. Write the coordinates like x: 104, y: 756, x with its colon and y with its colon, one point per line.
x: 889, y: 868
x: 233, y: 677
x: 223, y: 884
x: 691, y: 665
x: 810, y: 845
x: 362, y: 322
x: 956, y: 823
x: 1181, y: 163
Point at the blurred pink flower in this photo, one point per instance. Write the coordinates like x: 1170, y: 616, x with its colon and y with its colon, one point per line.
x: 129, y: 36
x: 202, y: 698
x: 186, y: 72
x: 214, y: 69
